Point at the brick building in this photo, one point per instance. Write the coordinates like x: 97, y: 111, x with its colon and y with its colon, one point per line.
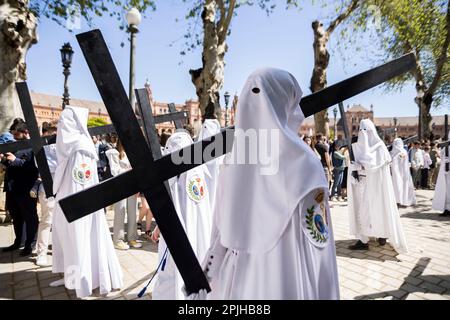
x: 406, y: 126
x: 48, y: 108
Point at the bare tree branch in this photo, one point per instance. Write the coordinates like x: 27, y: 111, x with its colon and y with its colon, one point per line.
x: 223, y: 29
x: 352, y: 6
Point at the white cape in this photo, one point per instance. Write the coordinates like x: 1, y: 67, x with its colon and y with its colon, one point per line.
x: 191, y: 201
x: 401, y: 175
x: 372, y: 205
x: 273, y: 237
x: 441, y: 200
x: 82, y: 250
x: 210, y: 128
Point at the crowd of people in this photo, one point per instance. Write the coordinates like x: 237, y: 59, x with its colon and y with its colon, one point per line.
x: 423, y: 162
x: 242, y: 225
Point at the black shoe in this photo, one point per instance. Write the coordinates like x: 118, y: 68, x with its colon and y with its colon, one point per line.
x: 446, y: 213
x: 26, y: 252
x: 359, y: 245
x: 381, y: 241
x: 11, y: 248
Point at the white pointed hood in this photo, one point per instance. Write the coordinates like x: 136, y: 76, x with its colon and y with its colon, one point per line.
x: 397, y: 147
x: 72, y: 136
x: 253, y: 206
x: 210, y: 127
x: 366, y: 148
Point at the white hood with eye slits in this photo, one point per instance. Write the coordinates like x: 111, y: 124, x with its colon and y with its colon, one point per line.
x: 252, y: 209
x: 72, y: 136
x: 369, y: 150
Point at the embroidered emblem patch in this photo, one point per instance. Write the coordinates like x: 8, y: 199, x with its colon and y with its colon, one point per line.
x: 316, y: 221
x: 82, y: 173
x: 195, y: 188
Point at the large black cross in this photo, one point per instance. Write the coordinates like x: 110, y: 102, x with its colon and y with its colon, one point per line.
x: 148, y: 175
x: 36, y: 142
x: 447, y: 165
x: 405, y: 141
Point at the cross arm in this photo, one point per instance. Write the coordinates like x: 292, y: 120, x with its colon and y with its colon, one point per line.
x: 124, y: 185
x: 350, y: 87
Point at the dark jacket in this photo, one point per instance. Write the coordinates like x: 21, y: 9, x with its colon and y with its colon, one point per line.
x: 21, y: 174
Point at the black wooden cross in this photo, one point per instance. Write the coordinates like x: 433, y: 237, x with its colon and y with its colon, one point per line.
x: 447, y: 165
x: 405, y: 141
x: 148, y: 175
x: 36, y: 142
x: 148, y: 120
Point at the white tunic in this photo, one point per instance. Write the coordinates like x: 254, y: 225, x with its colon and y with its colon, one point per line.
x: 441, y: 199
x: 82, y: 250
x: 401, y: 175
x: 191, y: 200
x: 209, y: 128
x: 272, y: 237
x: 298, y: 267
x: 371, y: 201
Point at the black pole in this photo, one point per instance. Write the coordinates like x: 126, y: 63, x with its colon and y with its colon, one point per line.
x: 447, y: 165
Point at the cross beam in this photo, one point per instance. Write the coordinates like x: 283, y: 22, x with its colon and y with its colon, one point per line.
x: 139, y: 154
x: 35, y: 142
x: 350, y: 87
x: 405, y: 141
x: 94, y: 131
x: 447, y: 165
x: 148, y: 174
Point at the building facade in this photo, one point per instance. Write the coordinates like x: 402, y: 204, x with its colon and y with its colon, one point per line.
x: 405, y: 126
x: 48, y: 108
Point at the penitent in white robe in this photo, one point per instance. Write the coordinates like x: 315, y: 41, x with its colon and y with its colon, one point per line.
x: 401, y: 175
x: 371, y: 201
x: 441, y: 199
x: 191, y: 200
x: 210, y: 128
x: 272, y: 236
x: 82, y: 250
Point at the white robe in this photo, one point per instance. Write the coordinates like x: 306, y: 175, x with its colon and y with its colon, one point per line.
x: 273, y: 237
x: 441, y: 199
x: 298, y: 267
x: 402, y: 179
x: 194, y: 212
x: 371, y: 201
x: 210, y: 128
x: 82, y: 250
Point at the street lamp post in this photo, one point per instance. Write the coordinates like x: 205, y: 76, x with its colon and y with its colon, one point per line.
x: 335, y: 124
x: 66, y: 58
x: 133, y: 18
x: 226, y: 96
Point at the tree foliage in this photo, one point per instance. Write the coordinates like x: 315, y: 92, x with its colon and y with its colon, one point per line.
x: 396, y: 27
x: 61, y: 10
x: 96, y: 122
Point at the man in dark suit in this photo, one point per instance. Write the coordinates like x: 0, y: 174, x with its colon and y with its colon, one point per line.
x: 21, y: 174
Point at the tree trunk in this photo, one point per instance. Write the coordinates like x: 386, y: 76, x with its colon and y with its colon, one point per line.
x: 17, y: 34
x: 425, y: 118
x: 319, y: 75
x: 208, y: 80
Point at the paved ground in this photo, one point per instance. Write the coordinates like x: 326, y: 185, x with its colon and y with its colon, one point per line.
x: 423, y: 273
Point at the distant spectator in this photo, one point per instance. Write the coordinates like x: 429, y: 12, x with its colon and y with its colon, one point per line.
x: 427, y: 162
x: 338, y: 171
x: 322, y: 149
x: 21, y: 175
x: 416, y: 159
